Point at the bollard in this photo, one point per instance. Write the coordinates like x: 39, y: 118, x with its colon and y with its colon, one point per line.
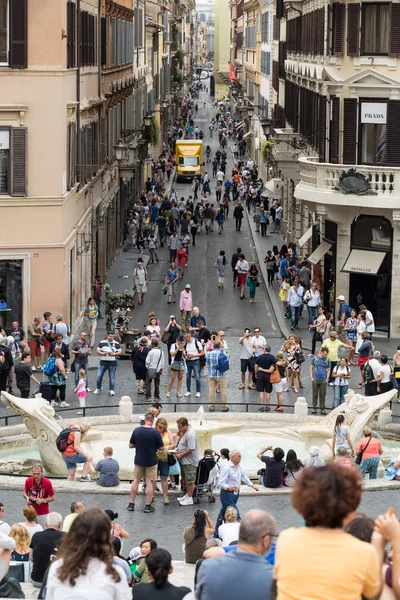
x: 125, y: 407
x: 385, y: 416
x: 301, y: 407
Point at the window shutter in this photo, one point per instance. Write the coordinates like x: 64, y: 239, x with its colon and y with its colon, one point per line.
x: 392, y: 133
x: 334, y: 132
x: 353, y: 29
x: 18, y: 34
x: 114, y: 40
x: 18, y: 157
x: 103, y: 50
x: 338, y: 11
x: 394, y: 36
x: 322, y: 129
x: 350, y: 131
x: 70, y: 8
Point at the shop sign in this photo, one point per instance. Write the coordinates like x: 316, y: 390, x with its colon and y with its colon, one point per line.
x: 4, y: 140
x: 373, y: 112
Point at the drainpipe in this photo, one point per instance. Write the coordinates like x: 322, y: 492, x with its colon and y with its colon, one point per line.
x: 78, y: 82
x: 100, y: 71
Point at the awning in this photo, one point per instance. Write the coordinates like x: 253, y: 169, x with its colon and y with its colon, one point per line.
x: 304, y: 238
x: 322, y: 249
x: 247, y: 134
x: 363, y: 261
x: 269, y: 189
x: 240, y: 125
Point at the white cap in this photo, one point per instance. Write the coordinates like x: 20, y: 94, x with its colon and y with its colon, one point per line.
x: 135, y: 553
x: 314, y: 450
x: 188, y: 286
x: 340, y: 298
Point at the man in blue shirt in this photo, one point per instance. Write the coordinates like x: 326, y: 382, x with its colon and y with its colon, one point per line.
x: 295, y: 300
x: 244, y: 573
x: 196, y: 316
x: 284, y: 266
x: 215, y: 377
x: 319, y: 374
x: 162, y: 229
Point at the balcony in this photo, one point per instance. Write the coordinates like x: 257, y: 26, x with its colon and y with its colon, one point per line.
x: 319, y: 182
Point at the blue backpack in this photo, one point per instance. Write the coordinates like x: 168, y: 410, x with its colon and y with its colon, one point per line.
x: 50, y: 368
x: 223, y: 362
x: 348, y: 308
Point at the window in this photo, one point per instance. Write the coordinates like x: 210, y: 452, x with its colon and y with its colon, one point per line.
x: 11, y: 290
x: 3, y: 32
x: 373, y: 144
x: 71, y: 13
x: 4, y: 160
x: 375, y: 28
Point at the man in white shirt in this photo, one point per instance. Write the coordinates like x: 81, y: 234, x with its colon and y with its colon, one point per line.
x: 154, y: 365
x: 259, y: 342
x: 220, y: 176
x: 247, y: 360
x: 193, y: 352
x: 375, y: 364
x: 369, y: 319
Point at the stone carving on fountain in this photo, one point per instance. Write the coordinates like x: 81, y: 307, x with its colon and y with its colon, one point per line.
x: 38, y: 417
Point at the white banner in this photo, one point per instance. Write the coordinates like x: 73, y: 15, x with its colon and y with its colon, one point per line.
x: 373, y: 112
x: 4, y: 140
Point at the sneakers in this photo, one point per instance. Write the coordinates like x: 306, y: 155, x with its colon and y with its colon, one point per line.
x: 96, y: 391
x: 33, y: 368
x: 187, y: 394
x: 64, y: 404
x: 86, y: 478
x: 168, y: 395
x: 53, y: 404
x: 185, y: 501
x: 149, y: 509
x: 131, y: 506
x: 88, y: 390
x: 112, y: 393
x: 198, y: 394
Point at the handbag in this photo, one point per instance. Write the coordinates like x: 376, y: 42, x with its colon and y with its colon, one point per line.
x: 152, y: 372
x: 360, y: 454
x: 299, y: 356
x: 396, y: 371
x: 176, y: 365
x: 394, y: 382
x: 171, y: 459
x: 165, y: 337
x: 275, y: 376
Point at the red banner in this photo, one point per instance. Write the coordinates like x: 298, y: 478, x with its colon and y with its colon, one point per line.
x: 232, y: 75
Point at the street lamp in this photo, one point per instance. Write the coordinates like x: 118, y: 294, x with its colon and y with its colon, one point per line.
x: 266, y: 125
x: 250, y: 111
x: 119, y: 150
x: 147, y: 120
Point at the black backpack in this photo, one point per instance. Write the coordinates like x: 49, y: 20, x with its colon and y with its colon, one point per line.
x: 62, y: 439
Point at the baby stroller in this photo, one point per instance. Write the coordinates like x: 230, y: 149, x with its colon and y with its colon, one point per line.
x: 206, y: 477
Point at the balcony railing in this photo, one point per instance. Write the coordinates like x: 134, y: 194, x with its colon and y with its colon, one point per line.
x: 325, y: 176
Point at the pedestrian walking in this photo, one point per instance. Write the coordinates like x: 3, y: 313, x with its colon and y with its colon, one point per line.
x: 152, y: 243
x: 109, y: 350
x: 221, y: 266
x: 177, y: 366
x: 230, y: 478
x: 218, y: 364
x: 171, y: 278
x: 319, y: 375
x: 24, y: 375
x: 252, y: 281
x: 238, y: 215
x: 173, y: 245
x: 91, y: 315
x: 187, y: 453
x: 35, y: 337
x: 186, y: 306
x: 140, y: 280
x: 194, y: 351
x: 97, y: 287
x: 295, y: 301
x: 154, y: 366
x: 138, y: 359
x: 247, y: 359
x: 242, y: 267
x: 264, y: 366
x: 270, y: 263
x: 81, y: 350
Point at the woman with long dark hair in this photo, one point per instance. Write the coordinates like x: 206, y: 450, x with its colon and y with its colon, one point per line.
x: 195, y: 537
x: 293, y: 468
x: 84, y: 567
x: 341, y: 436
x: 159, y: 566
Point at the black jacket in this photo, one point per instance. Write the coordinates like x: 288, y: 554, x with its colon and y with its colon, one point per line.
x: 8, y: 361
x: 238, y: 212
x: 11, y: 588
x: 64, y: 350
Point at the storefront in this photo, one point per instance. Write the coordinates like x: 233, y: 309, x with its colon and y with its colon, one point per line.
x: 11, y: 291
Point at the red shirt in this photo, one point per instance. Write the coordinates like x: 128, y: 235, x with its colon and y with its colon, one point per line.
x: 44, y: 489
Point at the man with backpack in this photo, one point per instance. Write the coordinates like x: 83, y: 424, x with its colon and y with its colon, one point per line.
x: 218, y: 364
x: 320, y: 369
x: 343, y: 314
x: 193, y: 352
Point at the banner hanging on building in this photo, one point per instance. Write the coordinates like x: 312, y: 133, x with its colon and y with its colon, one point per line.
x: 232, y: 75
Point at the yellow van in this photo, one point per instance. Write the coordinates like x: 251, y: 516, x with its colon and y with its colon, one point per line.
x: 189, y: 159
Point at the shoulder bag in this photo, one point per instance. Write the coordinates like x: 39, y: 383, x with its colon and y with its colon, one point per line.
x: 165, y: 337
x: 151, y: 371
x: 360, y: 454
x: 275, y: 376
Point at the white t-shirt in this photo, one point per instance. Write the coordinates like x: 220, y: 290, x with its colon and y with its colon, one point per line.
x: 313, y: 298
x: 341, y: 371
x: 192, y: 348
x: 387, y: 371
x: 95, y: 584
x: 220, y: 176
x: 4, y: 527
x: 32, y: 530
x: 154, y: 330
x: 369, y: 317
x: 62, y: 329
x: 375, y: 366
x: 228, y: 532
x: 259, y: 343
x: 247, y: 350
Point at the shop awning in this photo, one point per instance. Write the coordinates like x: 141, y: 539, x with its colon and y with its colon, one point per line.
x: 269, y: 189
x: 363, y: 261
x: 247, y: 134
x: 322, y: 249
x: 304, y: 238
x: 240, y: 125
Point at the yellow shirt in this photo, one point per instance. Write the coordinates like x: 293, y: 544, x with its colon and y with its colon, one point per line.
x: 167, y: 442
x: 325, y: 564
x: 333, y: 347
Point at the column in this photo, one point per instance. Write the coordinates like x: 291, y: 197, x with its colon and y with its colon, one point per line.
x: 395, y: 306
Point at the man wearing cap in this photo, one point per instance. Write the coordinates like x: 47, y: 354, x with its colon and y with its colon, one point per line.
x: 333, y: 345
x: 186, y: 306
x: 314, y: 459
x: 343, y: 313
x: 140, y: 280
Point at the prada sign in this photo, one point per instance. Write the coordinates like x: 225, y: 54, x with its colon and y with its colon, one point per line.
x: 373, y: 112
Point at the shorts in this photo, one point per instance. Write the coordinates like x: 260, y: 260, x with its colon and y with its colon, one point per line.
x: 82, y: 394
x: 280, y: 386
x: 277, y: 221
x: 241, y: 278
x: 140, y: 373
x: 72, y: 461
x: 362, y: 360
x: 246, y: 364
x: 163, y: 468
x: 263, y: 385
x: 47, y: 343
x: 188, y: 473
x: 146, y: 473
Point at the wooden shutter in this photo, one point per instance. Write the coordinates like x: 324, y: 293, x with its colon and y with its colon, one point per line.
x: 353, y: 29
x: 350, y: 131
x: 394, y: 32
x: 321, y: 130
x: 338, y: 11
x: 71, y: 34
x: 334, y: 132
x: 392, y: 133
x: 103, y: 41
x: 18, y: 34
x: 19, y: 160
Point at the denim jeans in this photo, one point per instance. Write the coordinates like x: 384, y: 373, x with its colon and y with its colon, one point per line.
x: 296, y: 311
x: 312, y: 313
x: 111, y: 373
x: 227, y: 499
x: 78, y: 367
x: 339, y: 392
x: 193, y: 365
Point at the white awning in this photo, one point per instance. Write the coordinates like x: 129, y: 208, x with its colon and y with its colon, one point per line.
x: 322, y: 249
x: 240, y: 125
x: 304, y: 238
x: 363, y: 261
x: 247, y: 134
x: 269, y: 189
